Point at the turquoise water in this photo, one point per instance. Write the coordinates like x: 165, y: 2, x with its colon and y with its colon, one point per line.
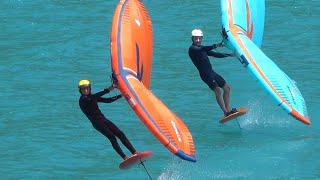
x: 47, y: 46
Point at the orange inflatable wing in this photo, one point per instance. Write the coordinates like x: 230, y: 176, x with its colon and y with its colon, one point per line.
x: 131, y: 40
x: 131, y: 60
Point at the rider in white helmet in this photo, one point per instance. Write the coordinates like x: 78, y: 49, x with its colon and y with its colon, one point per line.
x: 199, y: 56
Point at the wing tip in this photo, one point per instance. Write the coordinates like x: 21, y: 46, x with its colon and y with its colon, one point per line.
x: 300, y: 117
x: 185, y: 156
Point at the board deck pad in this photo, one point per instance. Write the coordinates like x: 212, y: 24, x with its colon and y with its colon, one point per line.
x: 135, y: 159
x: 241, y: 111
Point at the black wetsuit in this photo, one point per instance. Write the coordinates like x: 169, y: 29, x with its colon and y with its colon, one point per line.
x: 199, y: 56
x: 89, y: 106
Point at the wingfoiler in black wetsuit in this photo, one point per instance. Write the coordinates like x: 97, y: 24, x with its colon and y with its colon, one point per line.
x: 199, y: 56
x: 89, y: 106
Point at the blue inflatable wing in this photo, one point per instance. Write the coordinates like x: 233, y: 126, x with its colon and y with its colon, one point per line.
x: 242, y: 29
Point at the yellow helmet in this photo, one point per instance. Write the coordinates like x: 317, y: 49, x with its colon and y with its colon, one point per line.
x: 83, y: 83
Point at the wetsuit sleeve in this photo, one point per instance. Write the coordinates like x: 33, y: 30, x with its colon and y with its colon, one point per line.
x: 201, y: 48
x: 109, y: 100
x: 101, y: 93
x: 207, y: 48
x: 217, y: 54
x: 209, y: 51
x: 214, y: 54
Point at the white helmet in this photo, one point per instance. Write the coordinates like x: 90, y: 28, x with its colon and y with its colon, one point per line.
x: 196, y: 32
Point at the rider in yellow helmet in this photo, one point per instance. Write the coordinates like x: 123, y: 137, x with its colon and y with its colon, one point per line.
x: 88, y: 103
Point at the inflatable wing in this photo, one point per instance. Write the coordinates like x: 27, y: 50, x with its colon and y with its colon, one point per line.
x: 243, y: 25
x: 131, y: 61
